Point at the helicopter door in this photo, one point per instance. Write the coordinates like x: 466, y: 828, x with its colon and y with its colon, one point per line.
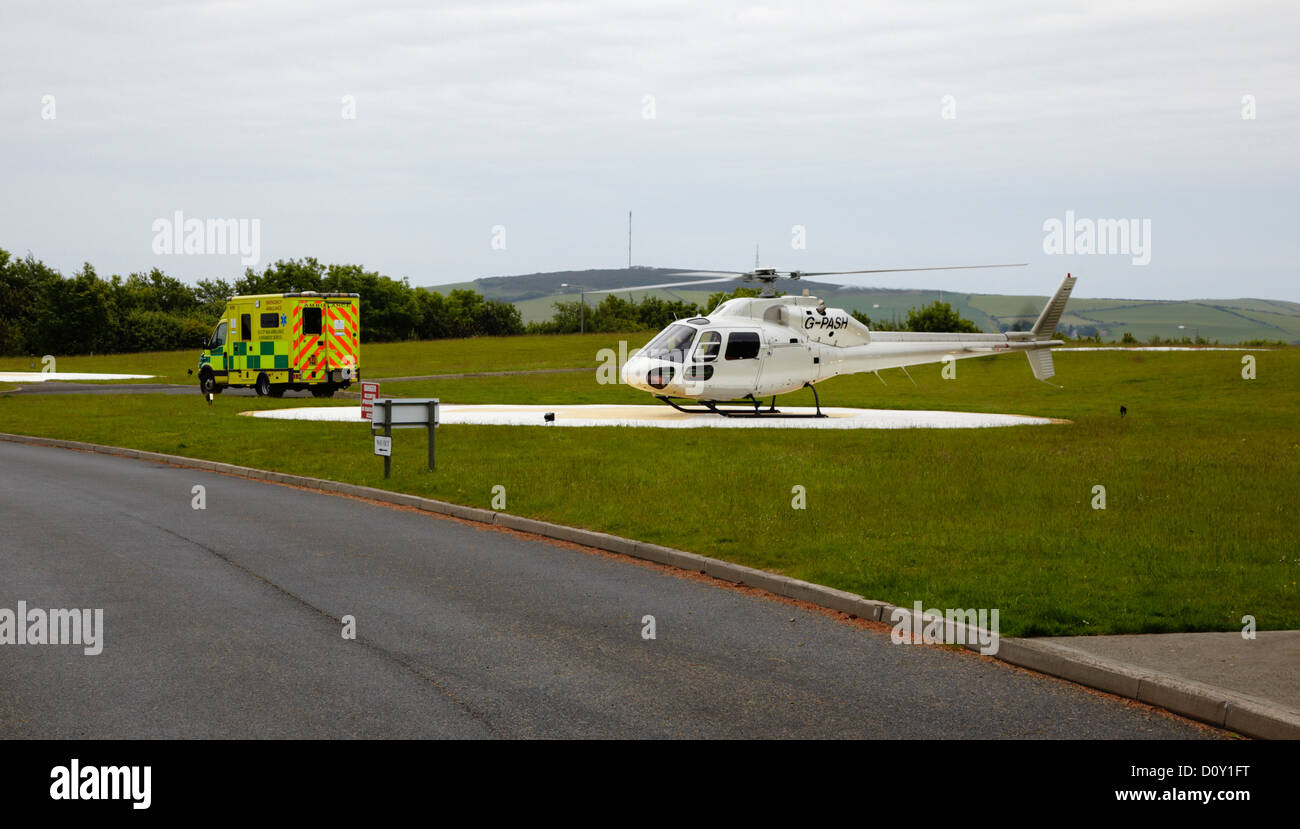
x: 787, y: 365
x: 702, y: 363
x: 737, y: 373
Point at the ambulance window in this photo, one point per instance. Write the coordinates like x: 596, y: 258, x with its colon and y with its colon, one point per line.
x: 709, y: 346
x: 270, y: 321
x: 311, y: 320
x: 742, y: 345
x: 246, y: 326
x: 218, y: 336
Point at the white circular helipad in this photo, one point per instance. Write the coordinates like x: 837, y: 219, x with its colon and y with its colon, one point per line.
x: 43, y: 376
x: 667, y: 418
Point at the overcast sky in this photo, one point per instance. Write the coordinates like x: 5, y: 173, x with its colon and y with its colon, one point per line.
x: 534, y: 118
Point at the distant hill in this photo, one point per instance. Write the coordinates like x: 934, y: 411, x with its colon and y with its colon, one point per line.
x: 1225, y: 320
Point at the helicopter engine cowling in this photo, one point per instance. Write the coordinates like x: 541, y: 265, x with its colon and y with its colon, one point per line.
x: 830, y: 326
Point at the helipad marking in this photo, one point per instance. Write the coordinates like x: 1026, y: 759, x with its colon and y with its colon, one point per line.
x: 667, y: 418
x: 43, y: 376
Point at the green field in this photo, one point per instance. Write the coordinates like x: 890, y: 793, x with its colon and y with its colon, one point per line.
x: 377, y: 359
x: 1200, y: 478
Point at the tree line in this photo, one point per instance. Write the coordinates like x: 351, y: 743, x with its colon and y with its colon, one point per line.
x: 44, y: 312
x: 616, y: 315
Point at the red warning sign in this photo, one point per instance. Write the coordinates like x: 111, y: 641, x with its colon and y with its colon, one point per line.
x: 369, y: 394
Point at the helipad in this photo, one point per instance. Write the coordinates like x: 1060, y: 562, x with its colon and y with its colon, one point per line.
x: 667, y: 418
x: 44, y: 376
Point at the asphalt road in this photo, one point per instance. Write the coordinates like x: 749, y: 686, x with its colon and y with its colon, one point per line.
x: 226, y: 622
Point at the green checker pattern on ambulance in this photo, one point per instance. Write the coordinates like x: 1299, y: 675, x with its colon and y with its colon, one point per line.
x: 267, y: 354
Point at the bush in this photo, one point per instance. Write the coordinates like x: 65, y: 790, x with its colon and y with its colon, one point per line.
x: 153, y: 331
x: 939, y: 317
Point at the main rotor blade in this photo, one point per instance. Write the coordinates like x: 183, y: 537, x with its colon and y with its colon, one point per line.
x: 904, y: 270
x: 662, y: 285
x: 732, y: 276
x: 711, y: 273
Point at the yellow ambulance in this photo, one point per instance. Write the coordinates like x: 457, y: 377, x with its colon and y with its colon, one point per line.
x: 280, y: 342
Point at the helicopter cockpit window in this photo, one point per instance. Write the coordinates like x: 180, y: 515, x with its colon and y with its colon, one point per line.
x: 709, y: 346
x: 742, y: 345
x: 672, y: 345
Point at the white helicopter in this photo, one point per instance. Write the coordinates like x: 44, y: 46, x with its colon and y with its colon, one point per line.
x: 752, y: 348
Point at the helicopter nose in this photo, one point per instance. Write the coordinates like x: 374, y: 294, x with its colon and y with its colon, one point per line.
x: 634, y: 372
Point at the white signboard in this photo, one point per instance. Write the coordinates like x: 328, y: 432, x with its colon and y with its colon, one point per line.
x: 408, y: 413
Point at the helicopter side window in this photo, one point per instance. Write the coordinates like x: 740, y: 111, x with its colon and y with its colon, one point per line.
x: 672, y: 345
x: 709, y: 346
x: 742, y: 345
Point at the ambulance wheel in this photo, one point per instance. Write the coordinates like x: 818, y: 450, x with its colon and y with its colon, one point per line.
x: 208, y: 384
x: 263, y: 386
x: 278, y: 390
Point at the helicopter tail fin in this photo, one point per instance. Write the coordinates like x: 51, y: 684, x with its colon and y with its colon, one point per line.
x: 1045, y: 328
x: 1040, y: 356
x: 1040, y: 363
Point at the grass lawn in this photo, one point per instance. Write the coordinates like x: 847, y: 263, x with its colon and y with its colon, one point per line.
x: 377, y: 359
x: 489, y: 354
x: 1200, y: 478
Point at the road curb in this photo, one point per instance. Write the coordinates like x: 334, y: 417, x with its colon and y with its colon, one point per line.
x: 1236, y: 712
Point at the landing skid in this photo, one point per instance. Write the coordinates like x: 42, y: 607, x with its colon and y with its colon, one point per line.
x: 753, y: 407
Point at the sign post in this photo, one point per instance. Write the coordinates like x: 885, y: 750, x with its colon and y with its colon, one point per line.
x: 388, y: 439
x: 432, y: 414
x: 411, y: 413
